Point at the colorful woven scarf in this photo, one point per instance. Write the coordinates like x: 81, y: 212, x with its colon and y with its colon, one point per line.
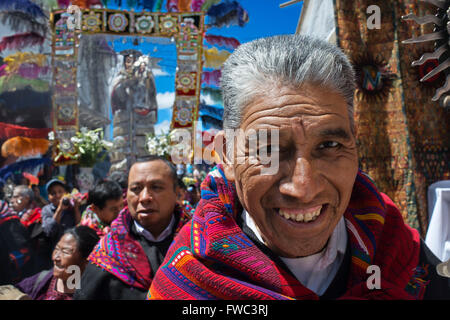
x: 19, y: 257
x: 90, y: 219
x: 6, y: 213
x: 120, y: 254
x: 31, y: 216
x: 212, y: 258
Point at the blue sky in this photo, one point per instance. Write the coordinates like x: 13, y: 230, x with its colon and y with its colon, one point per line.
x: 266, y: 18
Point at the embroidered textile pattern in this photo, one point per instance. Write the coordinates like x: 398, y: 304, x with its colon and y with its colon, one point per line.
x: 91, y: 220
x: 213, y: 259
x: 397, y: 132
x: 121, y: 255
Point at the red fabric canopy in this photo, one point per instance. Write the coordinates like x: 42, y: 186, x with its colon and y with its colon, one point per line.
x: 8, y: 130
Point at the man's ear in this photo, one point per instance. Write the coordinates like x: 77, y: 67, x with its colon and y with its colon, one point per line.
x: 220, y: 147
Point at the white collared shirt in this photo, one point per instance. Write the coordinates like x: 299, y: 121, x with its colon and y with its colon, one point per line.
x: 149, y: 236
x: 317, y: 271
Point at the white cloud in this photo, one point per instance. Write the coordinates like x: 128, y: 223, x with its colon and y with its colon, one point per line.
x: 160, y: 73
x: 165, y: 100
x: 207, y: 99
x: 162, y: 127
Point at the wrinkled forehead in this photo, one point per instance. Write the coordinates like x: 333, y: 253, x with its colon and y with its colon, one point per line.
x: 285, y: 107
x: 68, y: 241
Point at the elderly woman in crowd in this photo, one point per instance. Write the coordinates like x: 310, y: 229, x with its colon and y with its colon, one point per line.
x: 72, y: 249
x: 22, y: 203
x: 292, y: 217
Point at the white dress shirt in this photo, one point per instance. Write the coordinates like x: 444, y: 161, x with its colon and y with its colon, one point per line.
x: 149, y: 236
x: 317, y: 271
x: 438, y: 234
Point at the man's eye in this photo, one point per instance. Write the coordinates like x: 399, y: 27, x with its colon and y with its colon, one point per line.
x: 136, y: 189
x: 269, y: 149
x: 329, y: 144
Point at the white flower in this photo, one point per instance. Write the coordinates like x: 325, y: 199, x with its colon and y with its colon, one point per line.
x: 107, y: 144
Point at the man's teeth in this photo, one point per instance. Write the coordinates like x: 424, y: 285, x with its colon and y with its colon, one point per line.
x: 301, y: 217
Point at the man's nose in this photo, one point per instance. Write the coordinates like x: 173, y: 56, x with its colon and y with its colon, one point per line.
x: 304, y: 182
x: 145, y: 196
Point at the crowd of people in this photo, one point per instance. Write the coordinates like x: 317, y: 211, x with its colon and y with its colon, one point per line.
x: 315, y: 228
x: 42, y: 238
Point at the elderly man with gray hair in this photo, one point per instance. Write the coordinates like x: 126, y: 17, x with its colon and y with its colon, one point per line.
x: 22, y: 204
x: 315, y: 227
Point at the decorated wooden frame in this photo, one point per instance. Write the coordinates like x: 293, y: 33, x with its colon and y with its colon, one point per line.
x: 187, y: 30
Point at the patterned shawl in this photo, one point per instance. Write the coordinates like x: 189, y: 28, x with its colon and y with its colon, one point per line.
x: 31, y: 216
x: 6, y: 213
x: 212, y: 258
x: 122, y: 255
x: 19, y: 254
x: 90, y: 219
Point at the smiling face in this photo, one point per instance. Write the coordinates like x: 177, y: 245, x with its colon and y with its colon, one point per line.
x: 55, y: 193
x: 151, y: 195
x: 297, y: 208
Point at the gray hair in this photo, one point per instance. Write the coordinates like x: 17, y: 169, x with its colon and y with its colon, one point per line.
x: 286, y: 60
x: 24, y: 191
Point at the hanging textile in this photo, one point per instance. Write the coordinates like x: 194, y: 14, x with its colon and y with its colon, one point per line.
x: 15, y: 82
x: 211, y: 78
x: 214, y: 93
x: 15, y: 60
x: 82, y: 4
x: 158, y: 5
x: 32, y: 71
x: 3, y: 70
x: 403, y: 140
x: 22, y: 146
x: 208, y: 3
x: 25, y: 99
x: 25, y: 6
x: 148, y: 4
x: 197, y: 5
x: 8, y: 130
x: 132, y: 3
x: 215, y: 58
x: 227, y: 14
x: 210, y: 111
x: 21, y: 166
x: 94, y: 3
x: 172, y: 5
x: 184, y: 5
x: 51, y: 5
x: 19, y: 21
x: 20, y: 41
x: 220, y: 41
x: 65, y: 3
